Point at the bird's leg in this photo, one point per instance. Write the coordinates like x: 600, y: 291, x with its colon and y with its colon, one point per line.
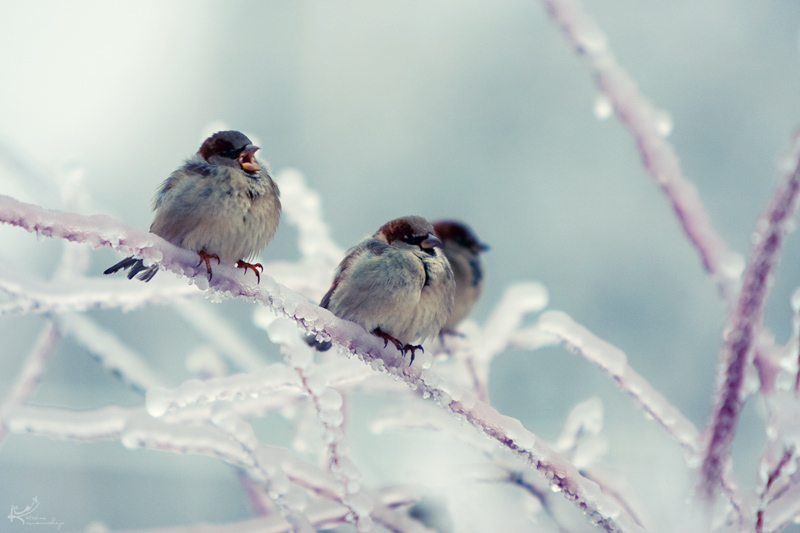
x: 206, y: 257
x: 413, y: 348
x: 386, y: 338
x: 253, y: 267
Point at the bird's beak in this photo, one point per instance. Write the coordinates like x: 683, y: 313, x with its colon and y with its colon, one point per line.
x: 247, y: 159
x: 431, y: 242
x: 480, y: 247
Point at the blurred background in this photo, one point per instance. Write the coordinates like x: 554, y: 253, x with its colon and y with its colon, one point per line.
x: 477, y: 111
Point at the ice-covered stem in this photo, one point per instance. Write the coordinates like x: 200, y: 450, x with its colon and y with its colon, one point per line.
x: 321, y: 514
x: 32, y: 369
x: 229, y: 439
x: 559, y: 472
x: 302, y: 207
x: 256, y: 495
x: 562, y: 329
x: 220, y: 333
x: 646, y: 126
x: 327, y: 403
x: 518, y: 300
x: 269, y: 379
x: 102, y: 230
x: 34, y: 296
x: 271, y: 477
x: 772, y: 476
x: 744, y: 325
x: 106, y: 348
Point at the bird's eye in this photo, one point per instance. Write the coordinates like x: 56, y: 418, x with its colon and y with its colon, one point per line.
x: 415, y: 239
x: 231, y: 154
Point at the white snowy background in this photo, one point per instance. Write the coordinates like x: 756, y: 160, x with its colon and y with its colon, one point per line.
x: 477, y: 111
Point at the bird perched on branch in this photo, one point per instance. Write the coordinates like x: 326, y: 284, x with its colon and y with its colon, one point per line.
x: 462, y: 248
x: 222, y: 204
x: 396, y: 284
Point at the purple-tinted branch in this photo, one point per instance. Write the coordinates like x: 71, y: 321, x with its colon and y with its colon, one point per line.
x: 561, y: 328
x: 220, y: 333
x: 31, y: 372
x: 33, y: 296
x: 260, y: 502
x: 272, y: 479
x: 745, y: 325
x: 773, y: 475
x: 102, y: 230
x: 110, y: 352
x: 328, y: 405
x: 322, y: 514
x: 229, y: 439
x: 645, y: 125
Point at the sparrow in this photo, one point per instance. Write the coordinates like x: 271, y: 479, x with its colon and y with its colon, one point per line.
x: 462, y: 248
x: 397, y: 285
x: 222, y: 204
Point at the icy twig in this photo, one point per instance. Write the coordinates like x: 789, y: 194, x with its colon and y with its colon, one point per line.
x: 321, y: 514
x: 518, y: 300
x: 744, y: 325
x: 33, y: 296
x: 774, y: 474
x: 613, y: 361
x: 229, y: 439
x: 118, y: 359
x: 302, y: 208
x: 218, y: 331
x: 648, y: 128
x: 32, y: 369
x: 85, y: 426
x: 105, y: 231
x: 270, y: 475
x: 327, y: 403
x: 267, y: 380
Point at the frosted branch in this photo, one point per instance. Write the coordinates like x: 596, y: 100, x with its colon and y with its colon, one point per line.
x: 267, y: 468
x: 86, y: 426
x: 327, y: 403
x: 302, y: 208
x: 478, y: 346
x: 101, y: 230
x: 218, y: 331
x: 745, y: 324
x: 269, y: 379
x: 33, y: 296
x: 560, y: 327
x: 648, y: 128
x: 321, y: 514
x: 115, y: 357
x: 32, y: 369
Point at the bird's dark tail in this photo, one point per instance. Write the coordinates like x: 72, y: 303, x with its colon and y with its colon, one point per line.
x: 320, y: 346
x: 136, y: 266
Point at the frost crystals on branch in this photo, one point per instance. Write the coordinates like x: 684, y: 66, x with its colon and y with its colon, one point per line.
x: 744, y: 325
x: 647, y: 126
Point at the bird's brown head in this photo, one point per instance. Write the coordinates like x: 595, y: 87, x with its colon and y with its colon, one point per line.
x: 460, y: 234
x: 230, y: 148
x: 412, y: 231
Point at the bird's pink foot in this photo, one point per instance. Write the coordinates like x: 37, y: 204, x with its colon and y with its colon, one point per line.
x: 253, y: 267
x: 206, y: 258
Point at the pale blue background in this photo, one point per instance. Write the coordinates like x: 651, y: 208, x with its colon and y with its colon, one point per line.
x: 473, y: 110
